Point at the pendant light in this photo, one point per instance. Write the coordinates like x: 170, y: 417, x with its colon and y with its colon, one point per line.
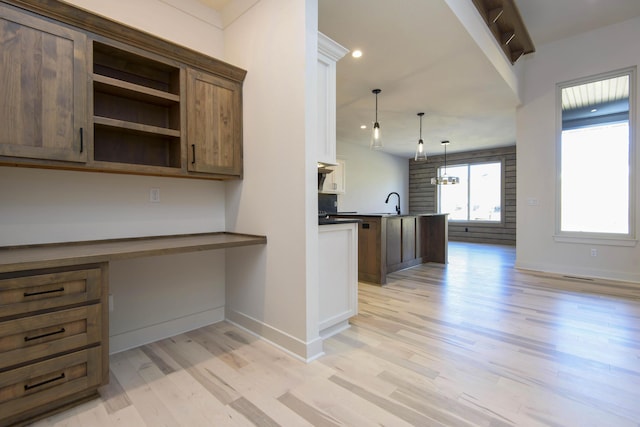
x: 421, y: 153
x: 444, y: 179
x: 376, y: 137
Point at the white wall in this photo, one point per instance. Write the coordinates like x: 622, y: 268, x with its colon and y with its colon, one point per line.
x: 606, y: 49
x: 272, y: 290
x: 42, y: 206
x: 370, y: 177
x: 185, y: 22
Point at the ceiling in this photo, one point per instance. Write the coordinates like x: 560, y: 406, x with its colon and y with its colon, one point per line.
x: 424, y: 60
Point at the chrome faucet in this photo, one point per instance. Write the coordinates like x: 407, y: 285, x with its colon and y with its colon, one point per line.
x: 398, y: 205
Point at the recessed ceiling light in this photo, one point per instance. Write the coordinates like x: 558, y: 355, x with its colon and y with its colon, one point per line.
x: 363, y: 126
x: 356, y: 53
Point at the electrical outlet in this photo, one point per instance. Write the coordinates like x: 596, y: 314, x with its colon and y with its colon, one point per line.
x: 154, y: 195
x: 594, y: 252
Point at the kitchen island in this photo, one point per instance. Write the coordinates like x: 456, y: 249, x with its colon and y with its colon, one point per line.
x: 390, y: 242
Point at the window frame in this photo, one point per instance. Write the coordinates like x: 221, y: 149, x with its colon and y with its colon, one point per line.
x: 616, y: 239
x: 500, y: 160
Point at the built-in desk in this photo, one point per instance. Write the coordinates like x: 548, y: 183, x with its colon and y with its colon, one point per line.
x: 16, y: 258
x: 54, y: 318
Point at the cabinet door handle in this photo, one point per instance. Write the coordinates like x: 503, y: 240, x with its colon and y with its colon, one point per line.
x: 193, y: 154
x: 41, y: 383
x: 81, y: 140
x: 61, y: 331
x: 30, y: 294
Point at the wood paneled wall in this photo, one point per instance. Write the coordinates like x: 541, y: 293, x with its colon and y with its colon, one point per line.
x: 423, y: 196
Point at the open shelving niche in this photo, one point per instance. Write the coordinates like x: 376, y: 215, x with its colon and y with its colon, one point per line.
x: 137, y: 113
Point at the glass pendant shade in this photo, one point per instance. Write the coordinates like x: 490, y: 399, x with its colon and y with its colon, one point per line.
x: 421, y: 153
x: 444, y: 179
x: 376, y: 136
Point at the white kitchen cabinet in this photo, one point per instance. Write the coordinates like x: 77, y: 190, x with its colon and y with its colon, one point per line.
x: 335, y: 182
x: 338, y: 284
x: 329, y: 52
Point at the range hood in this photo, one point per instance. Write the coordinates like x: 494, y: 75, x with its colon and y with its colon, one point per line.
x: 322, y: 174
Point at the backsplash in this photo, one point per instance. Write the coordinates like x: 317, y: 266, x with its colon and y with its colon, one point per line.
x: 328, y: 203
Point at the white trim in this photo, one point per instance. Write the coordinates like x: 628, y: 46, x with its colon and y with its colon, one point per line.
x: 591, y: 239
x: 583, y: 272
x: 588, y: 237
x: 304, y: 351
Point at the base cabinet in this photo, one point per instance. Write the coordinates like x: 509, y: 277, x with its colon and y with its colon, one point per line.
x: 53, y: 340
x: 389, y: 243
x: 338, y: 284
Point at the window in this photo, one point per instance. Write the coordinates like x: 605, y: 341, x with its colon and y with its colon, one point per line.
x: 478, y: 196
x: 595, y: 167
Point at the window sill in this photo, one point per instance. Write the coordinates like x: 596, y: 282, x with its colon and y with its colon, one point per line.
x: 477, y: 223
x: 594, y: 240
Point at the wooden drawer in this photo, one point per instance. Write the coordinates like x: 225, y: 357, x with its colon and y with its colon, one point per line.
x: 33, y: 337
x: 39, y: 384
x: 35, y: 292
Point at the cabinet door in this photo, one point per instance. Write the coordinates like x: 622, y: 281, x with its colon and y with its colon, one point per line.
x: 394, y: 241
x: 335, y: 182
x: 329, y: 52
x: 408, y: 239
x: 43, y: 88
x: 214, y: 124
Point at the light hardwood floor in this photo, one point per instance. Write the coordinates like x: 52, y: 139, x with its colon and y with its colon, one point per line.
x: 473, y: 343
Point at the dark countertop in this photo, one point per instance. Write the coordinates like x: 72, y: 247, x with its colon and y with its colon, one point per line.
x: 391, y: 214
x: 333, y: 220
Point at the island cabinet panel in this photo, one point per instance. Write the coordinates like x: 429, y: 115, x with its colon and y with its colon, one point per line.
x: 53, y: 339
x: 408, y: 239
x: 401, y: 242
x: 43, y: 102
x: 434, y: 238
x: 214, y: 124
x: 372, y: 262
x: 394, y: 241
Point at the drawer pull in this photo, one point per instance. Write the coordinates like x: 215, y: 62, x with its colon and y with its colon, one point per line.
x: 61, y: 331
x: 30, y: 294
x: 41, y: 383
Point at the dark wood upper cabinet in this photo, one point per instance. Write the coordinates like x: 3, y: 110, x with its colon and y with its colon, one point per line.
x: 83, y: 92
x: 214, y: 124
x: 43, y: 101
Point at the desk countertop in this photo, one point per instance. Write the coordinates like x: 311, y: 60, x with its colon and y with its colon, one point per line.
x: 15, y: 258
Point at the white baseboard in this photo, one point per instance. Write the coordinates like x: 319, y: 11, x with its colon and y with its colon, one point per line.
x: 334, y: 329
x: 585, y: 272
x: 136, y: 338
x: 305, y: 351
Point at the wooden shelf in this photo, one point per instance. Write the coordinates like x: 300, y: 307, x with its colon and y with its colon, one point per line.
x: 135, y: 127
x: 133, y: 91
x: 17, y: 258
x: 137, y: 110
